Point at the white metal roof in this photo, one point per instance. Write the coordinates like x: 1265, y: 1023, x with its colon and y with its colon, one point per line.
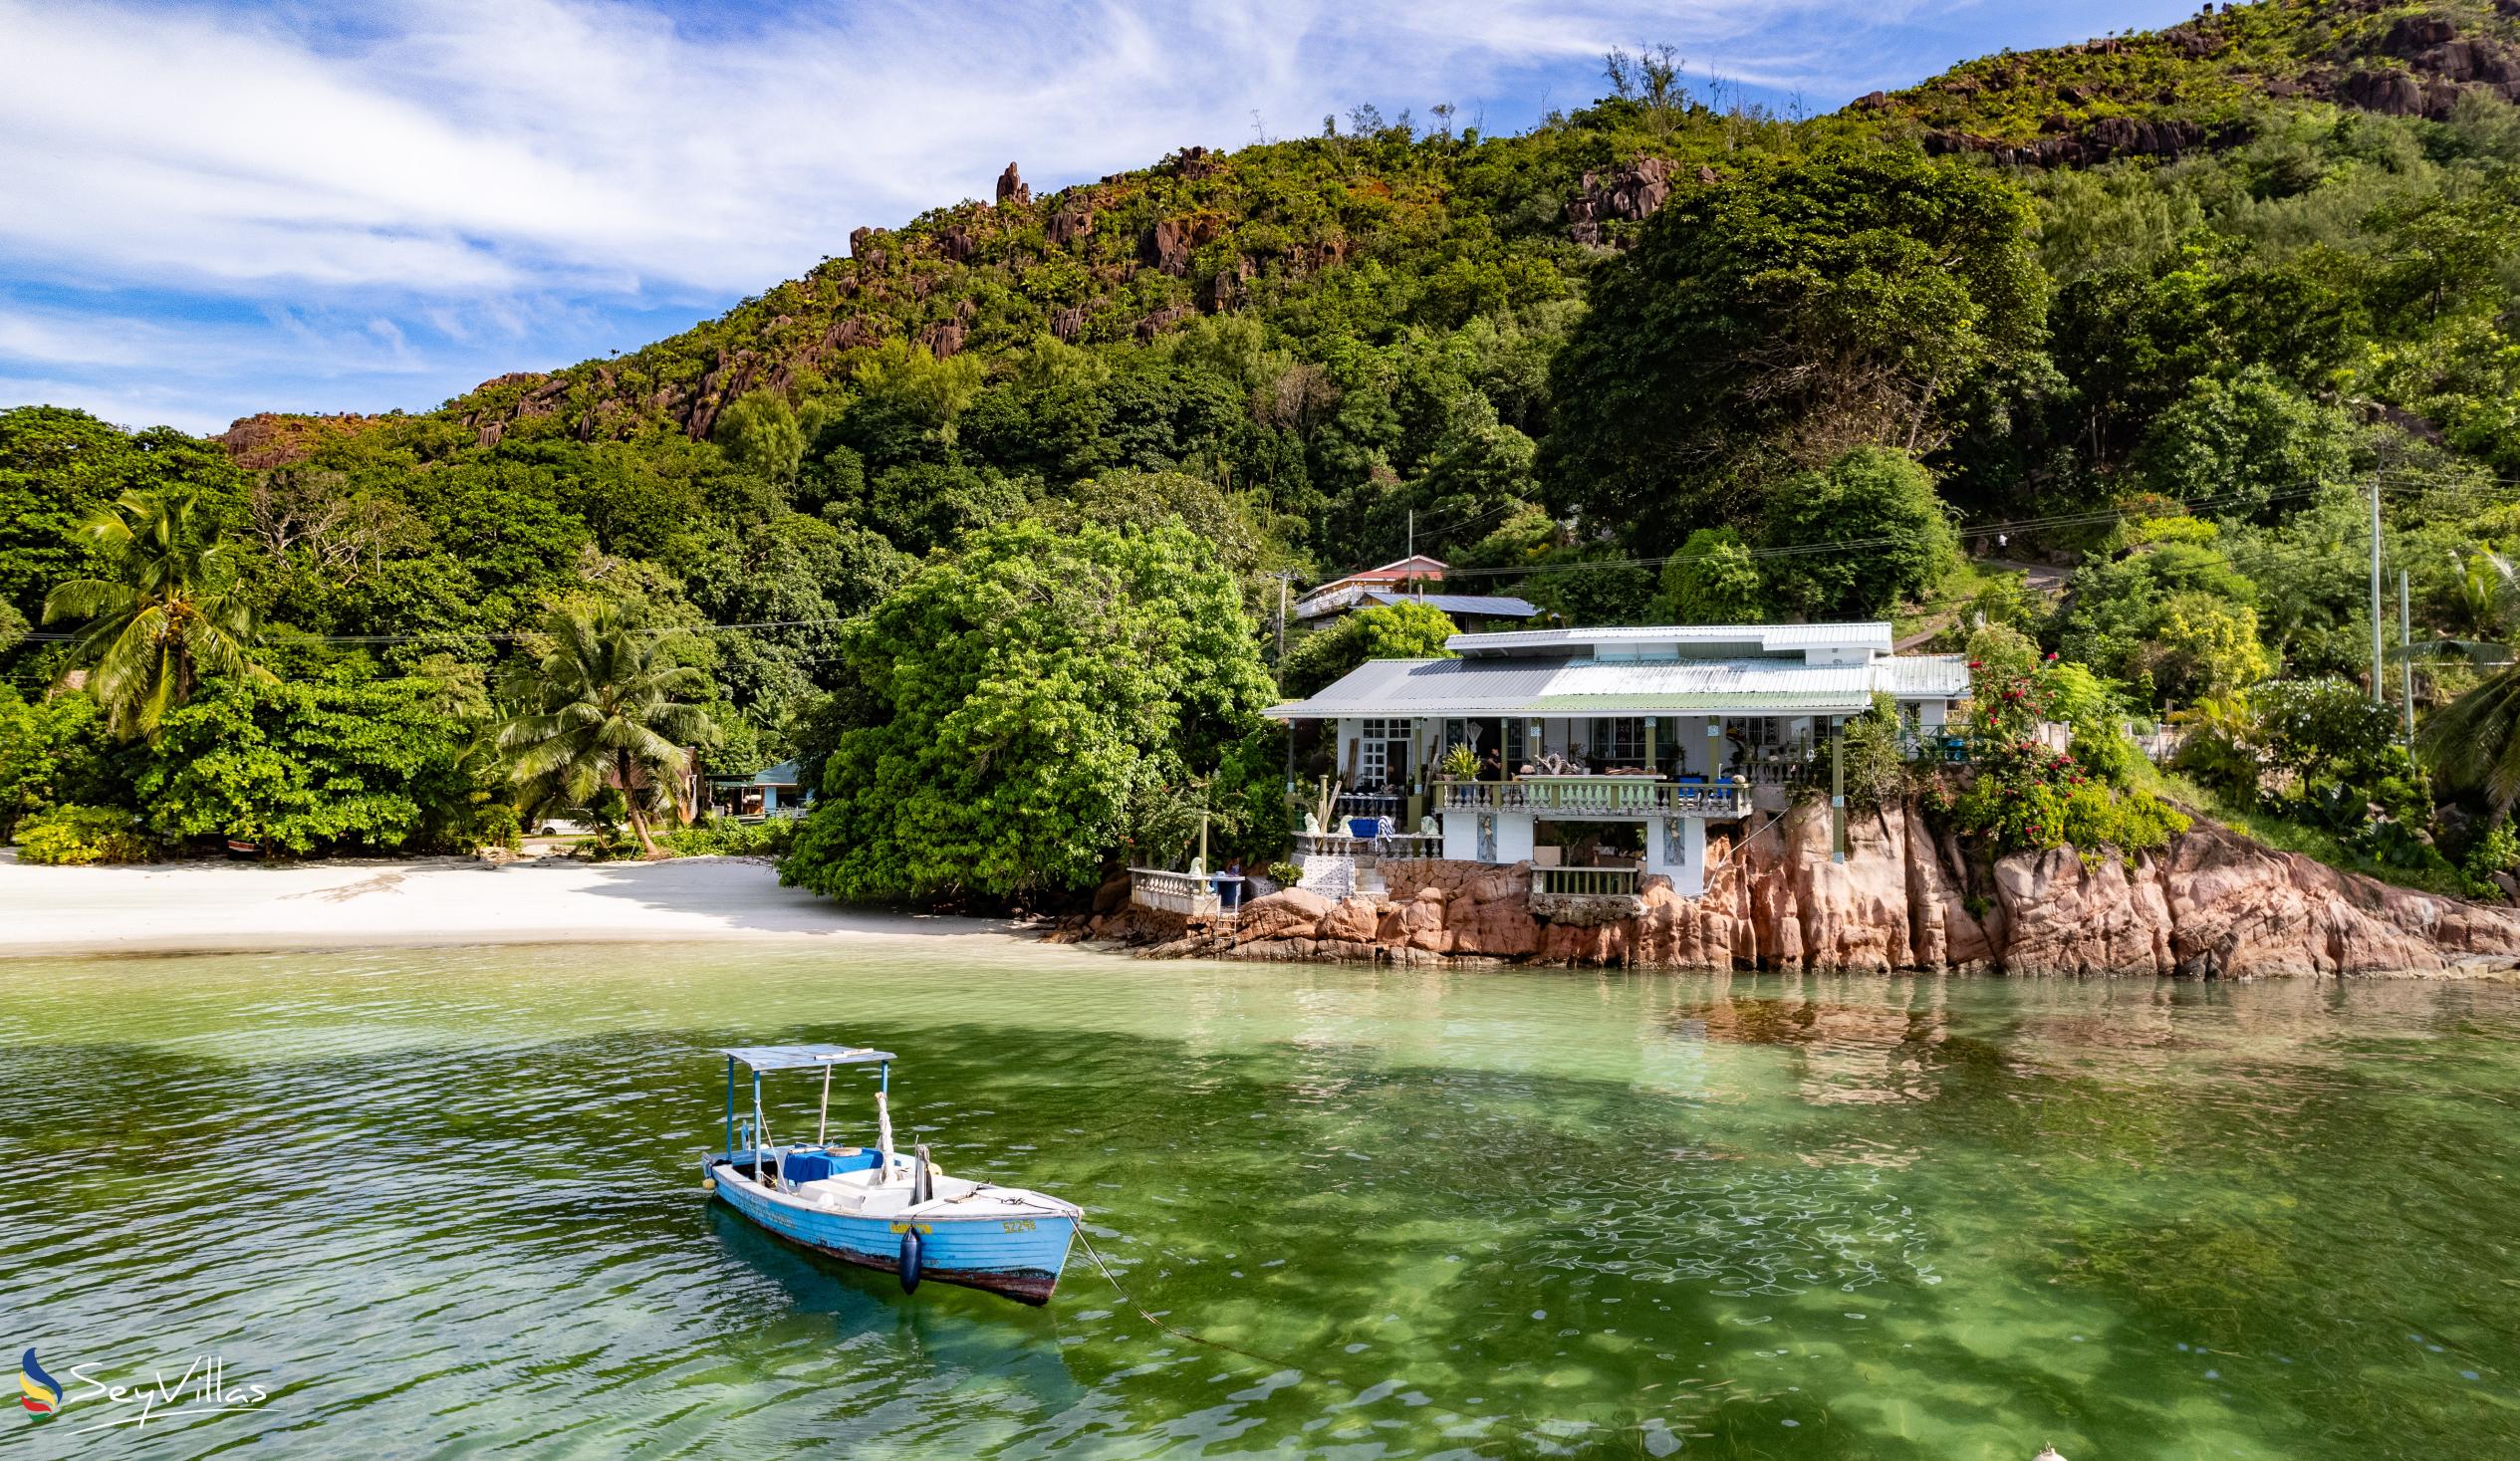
x: 1531, y: 685
x: 1767, y: 638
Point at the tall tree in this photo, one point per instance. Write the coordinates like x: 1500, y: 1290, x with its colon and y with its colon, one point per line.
x: 1029, y: 705
x: 1853, y: 541
x: 1780, y: 319
x: 170, y: 614
x: 611, y: 711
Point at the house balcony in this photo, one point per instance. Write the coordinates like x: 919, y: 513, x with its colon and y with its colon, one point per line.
x: 1600, y: 798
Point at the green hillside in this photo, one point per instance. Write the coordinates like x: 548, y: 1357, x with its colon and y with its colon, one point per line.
x: 2249, y: 265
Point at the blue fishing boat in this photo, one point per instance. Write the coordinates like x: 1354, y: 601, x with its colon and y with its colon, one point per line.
x: 878, y: 1207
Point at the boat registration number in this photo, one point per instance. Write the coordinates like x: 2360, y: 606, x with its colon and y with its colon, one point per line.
x: 1019, y: 1225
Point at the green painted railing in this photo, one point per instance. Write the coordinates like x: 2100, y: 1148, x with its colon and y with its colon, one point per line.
x: 1593, y: 796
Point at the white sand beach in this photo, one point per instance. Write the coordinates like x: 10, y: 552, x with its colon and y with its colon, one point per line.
x: 215, y: 907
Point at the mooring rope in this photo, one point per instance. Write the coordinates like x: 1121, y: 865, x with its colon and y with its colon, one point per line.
x: 1301, y: 1373
x: 1734, y: 850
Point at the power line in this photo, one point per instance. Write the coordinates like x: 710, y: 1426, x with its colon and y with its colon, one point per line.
x: 1989, y: 530
x: 2085, y: 518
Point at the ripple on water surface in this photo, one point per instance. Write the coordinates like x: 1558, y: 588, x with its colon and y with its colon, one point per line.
x: 441, y: 1202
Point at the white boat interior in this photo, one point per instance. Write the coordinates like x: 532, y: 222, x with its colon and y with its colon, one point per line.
x: 856, y: 1182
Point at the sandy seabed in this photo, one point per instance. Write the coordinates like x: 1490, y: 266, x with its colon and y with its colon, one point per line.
x: 222, y: 907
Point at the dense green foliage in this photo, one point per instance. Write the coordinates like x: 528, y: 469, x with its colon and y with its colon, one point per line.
x: 2023, y: 794
x: 317, y: 765
x: 1806, y: 310
x: 1857, y: 540
x: 724, y: 837
x: 1035, y: 702
x: 73, y: 836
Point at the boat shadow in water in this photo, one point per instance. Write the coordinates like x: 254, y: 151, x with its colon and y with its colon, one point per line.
x: 962, y: 1330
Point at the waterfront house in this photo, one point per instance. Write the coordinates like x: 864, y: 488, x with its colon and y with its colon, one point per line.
x: 770, y: 792
x: 1614, y: 750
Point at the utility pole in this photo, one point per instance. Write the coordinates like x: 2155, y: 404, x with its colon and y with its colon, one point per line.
x: 2379, y: 695
x: 2405, y: 661
x: 1284, y: 577
x: 1412, y: 532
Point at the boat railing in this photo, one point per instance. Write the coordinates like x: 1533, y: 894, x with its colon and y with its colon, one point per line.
x: 1591, y: 883
x: 1594, y: 796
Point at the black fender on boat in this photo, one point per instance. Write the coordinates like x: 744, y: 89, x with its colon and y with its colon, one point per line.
x: 910, y: 1259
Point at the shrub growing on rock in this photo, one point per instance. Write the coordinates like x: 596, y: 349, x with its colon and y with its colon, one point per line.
x: 2023, y: 794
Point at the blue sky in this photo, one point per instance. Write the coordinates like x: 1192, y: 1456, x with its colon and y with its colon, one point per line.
x: 211, y: 211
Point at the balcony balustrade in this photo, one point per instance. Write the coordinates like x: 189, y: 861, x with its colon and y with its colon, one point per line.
x: 1575, y: 796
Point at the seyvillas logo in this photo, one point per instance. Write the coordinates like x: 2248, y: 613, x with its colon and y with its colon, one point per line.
x: 39, y: 1391
x: 202, y: 1389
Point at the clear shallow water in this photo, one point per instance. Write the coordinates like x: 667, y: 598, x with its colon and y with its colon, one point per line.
x: 445, y: 1203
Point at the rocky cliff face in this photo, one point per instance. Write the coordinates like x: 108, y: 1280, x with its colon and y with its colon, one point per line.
x: 2211, y: 905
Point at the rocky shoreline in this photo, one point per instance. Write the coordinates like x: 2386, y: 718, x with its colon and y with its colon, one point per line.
x: 2211, y: 905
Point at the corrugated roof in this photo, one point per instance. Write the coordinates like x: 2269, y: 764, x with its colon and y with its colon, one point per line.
x: 1569, y: 686
x: 1770, y: 638
x: 1923, y: 675
x: 1493, y: 606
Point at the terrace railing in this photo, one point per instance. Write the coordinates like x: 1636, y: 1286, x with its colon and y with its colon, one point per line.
x: 1593, y: 796
x: 1174, y: 893
x: 1367, y: 849
x: 1585, y: 882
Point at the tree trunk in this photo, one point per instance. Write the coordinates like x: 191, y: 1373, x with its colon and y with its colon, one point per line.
x: 621, y: 768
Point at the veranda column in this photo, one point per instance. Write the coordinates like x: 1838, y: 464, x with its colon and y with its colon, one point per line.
x: 1837, y: 789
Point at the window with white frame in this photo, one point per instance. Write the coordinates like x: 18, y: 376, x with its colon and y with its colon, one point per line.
x: 1618, y: 737
x: 1382, y: 753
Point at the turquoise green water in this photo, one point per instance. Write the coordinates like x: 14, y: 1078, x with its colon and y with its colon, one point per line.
x: 445, y: 1203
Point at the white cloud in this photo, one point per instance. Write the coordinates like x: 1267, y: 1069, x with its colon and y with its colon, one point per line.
x: 472, y: 170
x: 473, y: 146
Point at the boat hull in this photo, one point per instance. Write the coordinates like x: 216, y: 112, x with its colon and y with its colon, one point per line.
x: 1020, y: 1257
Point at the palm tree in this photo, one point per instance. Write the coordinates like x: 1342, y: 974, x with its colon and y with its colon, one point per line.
x: 170, y: 614
x: 2475, y: 741
x: 610, y: 713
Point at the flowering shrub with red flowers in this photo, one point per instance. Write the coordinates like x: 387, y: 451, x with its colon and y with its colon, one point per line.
x: 2022, y: 793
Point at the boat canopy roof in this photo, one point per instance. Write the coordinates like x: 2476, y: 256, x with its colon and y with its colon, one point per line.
x: 804, y: 1057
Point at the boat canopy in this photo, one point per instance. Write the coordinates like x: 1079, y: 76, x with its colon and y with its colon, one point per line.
x: 805, y: 1057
